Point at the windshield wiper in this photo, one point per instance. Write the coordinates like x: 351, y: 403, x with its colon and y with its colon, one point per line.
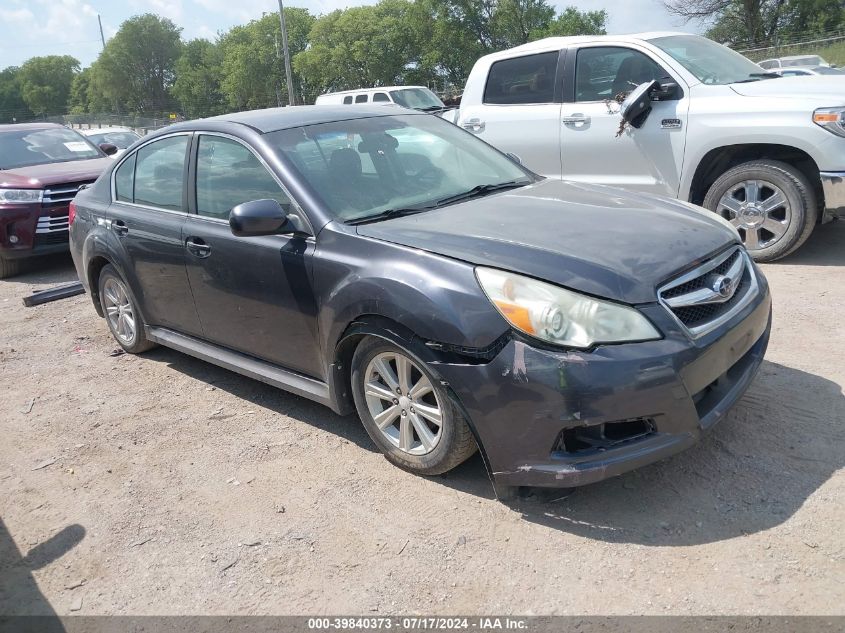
x: 386, y: 215
x: 757, y: 77
x: 482, y: 190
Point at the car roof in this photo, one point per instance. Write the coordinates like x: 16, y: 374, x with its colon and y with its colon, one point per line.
x: 272, y: 119
x: 105, y: 130
x: 572, y: 40
x: 8, y: 127
x: 376, y: 89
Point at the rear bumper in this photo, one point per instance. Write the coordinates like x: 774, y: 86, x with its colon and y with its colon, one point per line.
x: 833, y: 185
x: 529, y: 406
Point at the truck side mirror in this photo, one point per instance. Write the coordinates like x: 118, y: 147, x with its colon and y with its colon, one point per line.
x: 637, y: 104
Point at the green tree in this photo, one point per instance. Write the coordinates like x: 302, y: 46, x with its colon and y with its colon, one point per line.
x: 135, y: 71
x: 575, y: 22
x: 197, y: 87
x: 253, y: 74
x: 12, y: 105
x: 45, y: 83
x: 78, y: 101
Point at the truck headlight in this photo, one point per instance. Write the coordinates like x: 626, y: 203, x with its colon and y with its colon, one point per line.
x: 560, y: 316
x: 831, y: 119
x: 19, y: 196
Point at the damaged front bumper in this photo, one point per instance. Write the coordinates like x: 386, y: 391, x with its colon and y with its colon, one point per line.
x: 833, y: 186
x: 569, y: 418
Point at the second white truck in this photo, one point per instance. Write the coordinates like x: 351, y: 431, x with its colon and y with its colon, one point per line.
x: 765, y: 152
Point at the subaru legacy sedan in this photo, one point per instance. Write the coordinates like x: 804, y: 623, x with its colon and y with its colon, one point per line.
x: 385, y: 262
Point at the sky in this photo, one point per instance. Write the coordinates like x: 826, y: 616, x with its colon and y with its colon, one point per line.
x: 69, y: 27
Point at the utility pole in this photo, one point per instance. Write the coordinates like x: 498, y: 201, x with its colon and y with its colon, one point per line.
x: 102, y: 37
x: 287, y: 53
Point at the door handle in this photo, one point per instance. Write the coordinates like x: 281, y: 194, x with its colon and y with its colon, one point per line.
x: 196, y: 246
x: 576, y: 119
x: 476, y: 126
x: 119, y: 227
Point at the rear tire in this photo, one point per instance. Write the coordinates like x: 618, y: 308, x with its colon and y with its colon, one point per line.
x: 419, y: 429
x: 772, y: 205
x: 9, y: 267
x: 122, y: 316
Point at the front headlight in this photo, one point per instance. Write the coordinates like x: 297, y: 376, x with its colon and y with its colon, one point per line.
x: 831, y: 119
x: 560, y: 316
x: 19, y: 196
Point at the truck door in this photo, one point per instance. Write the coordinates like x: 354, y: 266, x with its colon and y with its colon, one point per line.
x: 520, y: 111
x: 646, y: 159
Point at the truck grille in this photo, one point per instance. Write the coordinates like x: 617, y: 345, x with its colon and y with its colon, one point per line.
x: 709, y: 295
x: 52, y: 224
x: 62, y: 194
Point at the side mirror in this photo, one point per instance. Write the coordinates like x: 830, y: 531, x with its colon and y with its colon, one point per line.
x: 109, y: 149
x: 259, y: 217
x: 514, y: 158
x: 637, y: 104
x: 667, y: 91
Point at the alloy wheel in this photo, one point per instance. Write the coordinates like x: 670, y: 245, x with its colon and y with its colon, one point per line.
x: 759, y: 210
x: 119, y: 311
x: 403, y: 403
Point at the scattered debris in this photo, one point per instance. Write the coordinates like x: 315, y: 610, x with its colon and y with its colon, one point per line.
x: 141, y: 542
x: 250, y: 480
x: 229, y: 565
x: 28, y: 407
x: 76, y: 605
x: 252, y: 543
x: 76, y: 585
x: 45, y: 463
x: 811, y: 545
x: 52, y: 294
x: 462, y: 540
x: 404, y: 545
x: 117, y: 352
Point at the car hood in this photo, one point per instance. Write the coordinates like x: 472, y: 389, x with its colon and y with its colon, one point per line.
x: 599, y: 240
x: 830, y: 87
x: 36, y: 176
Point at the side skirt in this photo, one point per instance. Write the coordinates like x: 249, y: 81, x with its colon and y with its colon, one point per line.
x: 242, y: 364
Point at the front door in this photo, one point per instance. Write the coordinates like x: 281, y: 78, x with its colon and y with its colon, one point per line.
x: 147, y: 216
x: 520, y: 113
x: 253, y: 294
x: 594, y: 150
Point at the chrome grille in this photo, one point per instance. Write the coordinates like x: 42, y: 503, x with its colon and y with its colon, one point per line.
x: 52, y: 224
x: 712, y: 293
x: 63, y: 193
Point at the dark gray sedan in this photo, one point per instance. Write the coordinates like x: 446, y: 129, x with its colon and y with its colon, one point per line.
x: 387, y: 262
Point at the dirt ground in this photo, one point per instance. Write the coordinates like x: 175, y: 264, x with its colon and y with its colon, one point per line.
x: 160, y: 484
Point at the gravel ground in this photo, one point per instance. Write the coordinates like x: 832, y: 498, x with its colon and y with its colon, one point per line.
x: 159, y: 484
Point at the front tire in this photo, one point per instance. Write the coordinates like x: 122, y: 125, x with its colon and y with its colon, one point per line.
x: 770, y: 203
x: 9, y: 267
x: 406, y: 411
x: 122, y: 314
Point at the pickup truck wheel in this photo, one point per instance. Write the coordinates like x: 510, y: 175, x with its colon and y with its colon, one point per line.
x: 771, y: 204
x: 406, y: 411
x: 9, y: 267
x: 122, y: 315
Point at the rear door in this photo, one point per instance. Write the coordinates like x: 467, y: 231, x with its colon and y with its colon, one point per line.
x: 253, y: 294
x: 594, y: 150
x: 147, y: 213
x: 520, y: 111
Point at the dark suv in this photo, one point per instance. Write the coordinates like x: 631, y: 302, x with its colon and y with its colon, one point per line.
x: 387, y: 262
x: 42, y: 166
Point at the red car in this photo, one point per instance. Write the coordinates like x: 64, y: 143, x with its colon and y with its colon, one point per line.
x: 42, y: 166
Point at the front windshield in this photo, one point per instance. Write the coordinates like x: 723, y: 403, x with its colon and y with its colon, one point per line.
x: 825, y: 70
x: 416, y: 98
x: 27, y: 147
x: 364, y: 167
x: 711, y: 63
x: 121, y: 140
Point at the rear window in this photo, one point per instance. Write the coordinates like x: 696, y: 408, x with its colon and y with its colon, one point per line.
x: 529, y: 79
x: 347, y: 100
x: 361, y: 99
x: 380, y: 96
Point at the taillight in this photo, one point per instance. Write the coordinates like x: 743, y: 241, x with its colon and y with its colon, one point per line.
x: 71, y: 212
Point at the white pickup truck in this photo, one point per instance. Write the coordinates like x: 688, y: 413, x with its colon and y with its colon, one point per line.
x: 765, y: 152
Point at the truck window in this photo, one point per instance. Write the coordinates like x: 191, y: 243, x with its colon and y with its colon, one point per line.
x: 361, y: 99
x: 521, y: 80
x: 381, y: 97
x: 603, y: 72
x: 347, y: 100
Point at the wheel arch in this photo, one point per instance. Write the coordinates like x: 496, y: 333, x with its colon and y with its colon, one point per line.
x: 720, y: 159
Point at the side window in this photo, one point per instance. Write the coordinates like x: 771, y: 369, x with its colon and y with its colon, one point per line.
x: 124, y: 180
x: 603, y: 72
x: 229, y: 174
x: 361, y: 99
x: 519, y: 80
x: 347, y: 100
x: 381, y: 97
x: 159, y: 173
